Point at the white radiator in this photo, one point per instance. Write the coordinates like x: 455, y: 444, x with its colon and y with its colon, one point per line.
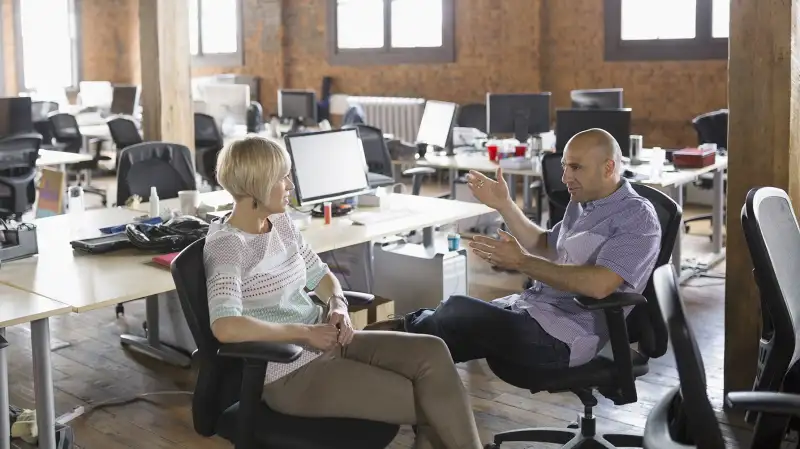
x: 393, y: 115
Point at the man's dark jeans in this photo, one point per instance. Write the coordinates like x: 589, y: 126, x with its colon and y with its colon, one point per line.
x: 475, y: 329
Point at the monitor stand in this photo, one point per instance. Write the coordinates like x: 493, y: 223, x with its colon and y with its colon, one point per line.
x: 521, y: 128
x: 295, y: 125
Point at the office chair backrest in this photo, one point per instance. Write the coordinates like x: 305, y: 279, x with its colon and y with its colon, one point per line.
x: 65, y: 127
x: 773, y: 237
x: 472, y: 115
x: 354, y: 116
x: 712, y: 127
x: 124, y: 132
x: 218, y: 380
x: 693, y: 420
x: 645, y: 322
x: 18, y: 155
x: 554, y: 189
x: 375, y: 150
x: 167, y: 166
x: 206, y: 131
x: 255, y: 117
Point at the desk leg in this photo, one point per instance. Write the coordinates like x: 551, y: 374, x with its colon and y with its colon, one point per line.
x: 43, y: 384
x: 718, y: 211
x: 511, y: 180
x: 453, y: 176
x: 527, y: 194
x: 5, y: 421
x: 427, y: 237
x: 152, y: 345
x: 677, y: 195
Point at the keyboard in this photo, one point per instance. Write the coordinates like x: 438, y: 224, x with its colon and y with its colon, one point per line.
x: 367, y: 218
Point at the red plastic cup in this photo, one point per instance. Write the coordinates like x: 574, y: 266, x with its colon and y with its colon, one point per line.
x: 492, y: 149
x: 327, y: 212
x: 520, y: 150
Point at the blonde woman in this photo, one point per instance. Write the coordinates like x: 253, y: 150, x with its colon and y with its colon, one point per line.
x: 258, y: 268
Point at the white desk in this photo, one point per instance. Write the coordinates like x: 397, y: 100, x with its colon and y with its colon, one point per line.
x: 20, y: 307
x: 60, y: 158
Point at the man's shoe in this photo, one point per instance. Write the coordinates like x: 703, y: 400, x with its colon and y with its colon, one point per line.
x: 393, y: 324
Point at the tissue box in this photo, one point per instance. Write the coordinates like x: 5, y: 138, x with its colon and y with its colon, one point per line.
x: 693, y: 158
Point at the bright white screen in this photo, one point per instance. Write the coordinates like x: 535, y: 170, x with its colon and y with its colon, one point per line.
x: 328, y: 165
x: 436, y: 122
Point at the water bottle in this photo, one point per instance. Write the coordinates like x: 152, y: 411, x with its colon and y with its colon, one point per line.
x: 75, y: 201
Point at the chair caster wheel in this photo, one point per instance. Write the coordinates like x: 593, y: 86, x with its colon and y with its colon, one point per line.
x: 573, y: 425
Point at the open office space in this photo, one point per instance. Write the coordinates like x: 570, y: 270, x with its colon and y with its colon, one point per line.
x: 113, y: 116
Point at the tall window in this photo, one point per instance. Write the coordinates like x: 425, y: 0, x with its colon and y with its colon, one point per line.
x: 666, y: 29
x: 47, y: 58
x: 390, y: 31
x: 215, y: 32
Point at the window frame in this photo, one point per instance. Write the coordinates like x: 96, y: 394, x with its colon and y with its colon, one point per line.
x: 389, y: 55
x: 74, y: 8
x: 702, y: 47
x: 219, y: 59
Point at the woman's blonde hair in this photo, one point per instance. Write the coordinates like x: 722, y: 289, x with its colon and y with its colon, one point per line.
x: 251, y: 166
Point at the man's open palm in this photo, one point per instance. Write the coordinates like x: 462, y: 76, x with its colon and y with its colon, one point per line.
x: 489, y: 192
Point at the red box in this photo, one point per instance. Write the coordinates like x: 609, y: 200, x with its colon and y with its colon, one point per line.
x: 693, y: 158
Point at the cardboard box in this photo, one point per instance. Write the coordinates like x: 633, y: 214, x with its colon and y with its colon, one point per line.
x: 378, y: 310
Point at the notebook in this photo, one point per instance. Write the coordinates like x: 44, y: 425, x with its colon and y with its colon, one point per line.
x: 165, y: 259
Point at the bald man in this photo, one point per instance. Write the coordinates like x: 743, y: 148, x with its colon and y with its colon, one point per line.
x: 607, y: 242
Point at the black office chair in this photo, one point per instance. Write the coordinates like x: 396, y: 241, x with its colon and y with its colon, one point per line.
x: 227, y: 397
x: 18, y: 155
x: 167, y: 166
x: 684, y: 417
x: 554, y: 188
x: 324, y: 103
x: 255, y: 117
x: 472, y: 116
x: 354, y: 116
x: 773, y: 238
x: 66, y: 131
x: 711, y: 127
x: 613, y: 376
x: 124, y: 133
x: 208, y: 142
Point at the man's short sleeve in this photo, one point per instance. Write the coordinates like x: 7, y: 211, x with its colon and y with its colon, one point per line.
x: 552, y: 237
x: 632, y: 249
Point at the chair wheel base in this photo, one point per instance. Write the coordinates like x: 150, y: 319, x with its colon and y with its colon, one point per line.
x: 577, y: 435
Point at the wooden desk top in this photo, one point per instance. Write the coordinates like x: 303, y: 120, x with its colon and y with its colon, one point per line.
x: 87, y: 282
x: 22, y: 307
x: 678, y: 177
x: 84, y: 281
x: 53, y: 157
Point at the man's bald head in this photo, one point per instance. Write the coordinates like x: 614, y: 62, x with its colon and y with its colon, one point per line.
x: 597, y: 144
x: 592, y: 165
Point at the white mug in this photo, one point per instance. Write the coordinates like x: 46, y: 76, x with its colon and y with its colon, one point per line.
x: 190, y: 201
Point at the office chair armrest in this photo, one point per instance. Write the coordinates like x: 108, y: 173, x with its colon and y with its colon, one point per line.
x: 657, y: 432
x: 765, y: 402
x: 3, y: 342
x: 612, y: 300
x: 261, y: 351
x: 354, y: 298
x: 419, y: 171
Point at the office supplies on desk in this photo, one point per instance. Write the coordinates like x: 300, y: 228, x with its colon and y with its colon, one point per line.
x: 120, y: 228
x: 165, y: 259
x: 694, y: 157
x: 103, y: 244
x: 18, y: 240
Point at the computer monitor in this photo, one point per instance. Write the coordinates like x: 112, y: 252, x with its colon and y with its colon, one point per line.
x: 227, y: 103
x: 597, y: 98
x: 520, y: 114
x: 124, y: 99
x: 327, y: 165
x: 616, y: 122
x: 297, y: 105
x: 437, y: 123
x: 16, y: 116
